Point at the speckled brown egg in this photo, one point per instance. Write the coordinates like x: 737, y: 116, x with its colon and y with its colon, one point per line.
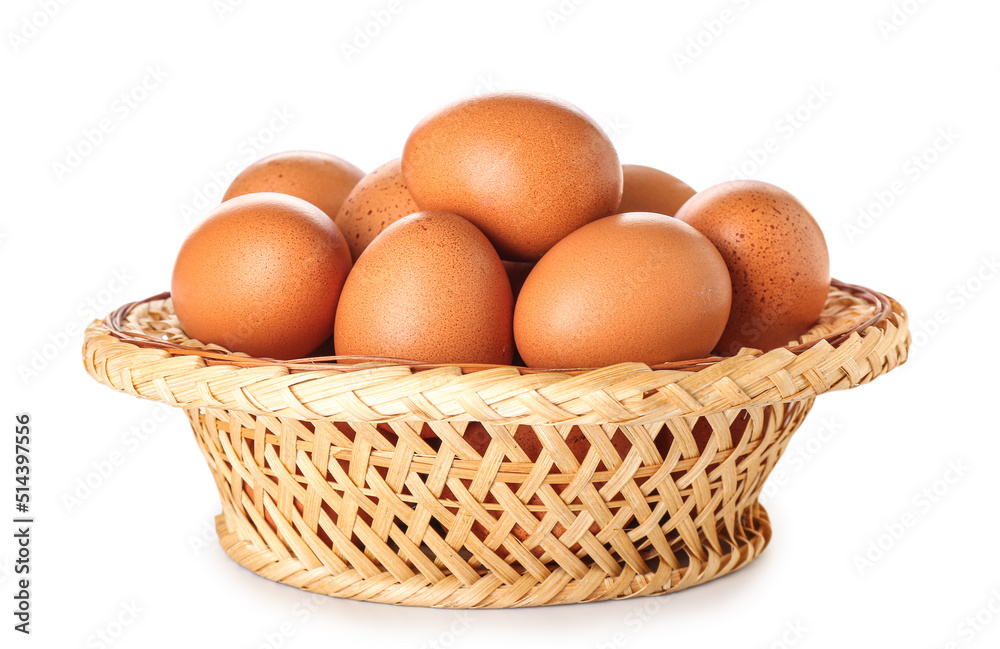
x: 635, y: 287
x: 429, y: 288
x: 379, y: 200
x: 318, y: 178
x: 650, y: 190
x: 527, y: 170
x: 777, y: 258
x: 261, y: 275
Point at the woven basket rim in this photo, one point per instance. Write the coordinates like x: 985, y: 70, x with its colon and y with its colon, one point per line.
x: 273, y: 434
x: 114, y: 325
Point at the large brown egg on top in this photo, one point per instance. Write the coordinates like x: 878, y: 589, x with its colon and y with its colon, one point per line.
x: 261, y: 275
x: 636, y: 287
x: 777, y: 258
x: 526, y: 170
x: 376, y: 202
x: 318, y: 178
x: 429, y: 288
x: 650, y: 190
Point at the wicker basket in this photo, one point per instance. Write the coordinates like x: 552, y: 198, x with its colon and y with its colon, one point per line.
x: 486, y: 486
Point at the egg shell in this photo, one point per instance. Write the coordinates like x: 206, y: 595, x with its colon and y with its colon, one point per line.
x: 635, y: 287
x: 777, y: 259
x: 650, y: 190
x: 318, y: 178
x: 379, y: 200
x: 527, y: 170
x: 261, y: 275
x: 429, y: 288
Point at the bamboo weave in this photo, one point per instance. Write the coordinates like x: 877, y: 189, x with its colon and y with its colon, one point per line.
x: 493, y: 487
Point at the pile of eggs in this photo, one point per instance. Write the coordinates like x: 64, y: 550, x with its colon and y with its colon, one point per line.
x: 508, y: 232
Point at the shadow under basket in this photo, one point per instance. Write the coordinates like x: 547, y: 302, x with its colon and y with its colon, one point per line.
x: 493, y: 486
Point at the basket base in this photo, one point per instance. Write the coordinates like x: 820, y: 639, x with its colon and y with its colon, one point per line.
x: 490, y: 592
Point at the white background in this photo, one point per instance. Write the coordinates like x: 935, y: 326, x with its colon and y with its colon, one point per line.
x: 870, y: 96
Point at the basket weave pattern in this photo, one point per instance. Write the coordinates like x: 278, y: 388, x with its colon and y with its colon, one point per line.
x: 498, y: 487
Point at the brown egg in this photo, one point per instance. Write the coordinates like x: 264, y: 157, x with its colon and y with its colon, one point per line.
x: 262, y: 275
x: 379, y: 200
x: 429, y: 288
x: 526, y: 170
x: 777, y: 259
x: 638, y: 287
x: 651, y: 190
x: 319, y: 178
